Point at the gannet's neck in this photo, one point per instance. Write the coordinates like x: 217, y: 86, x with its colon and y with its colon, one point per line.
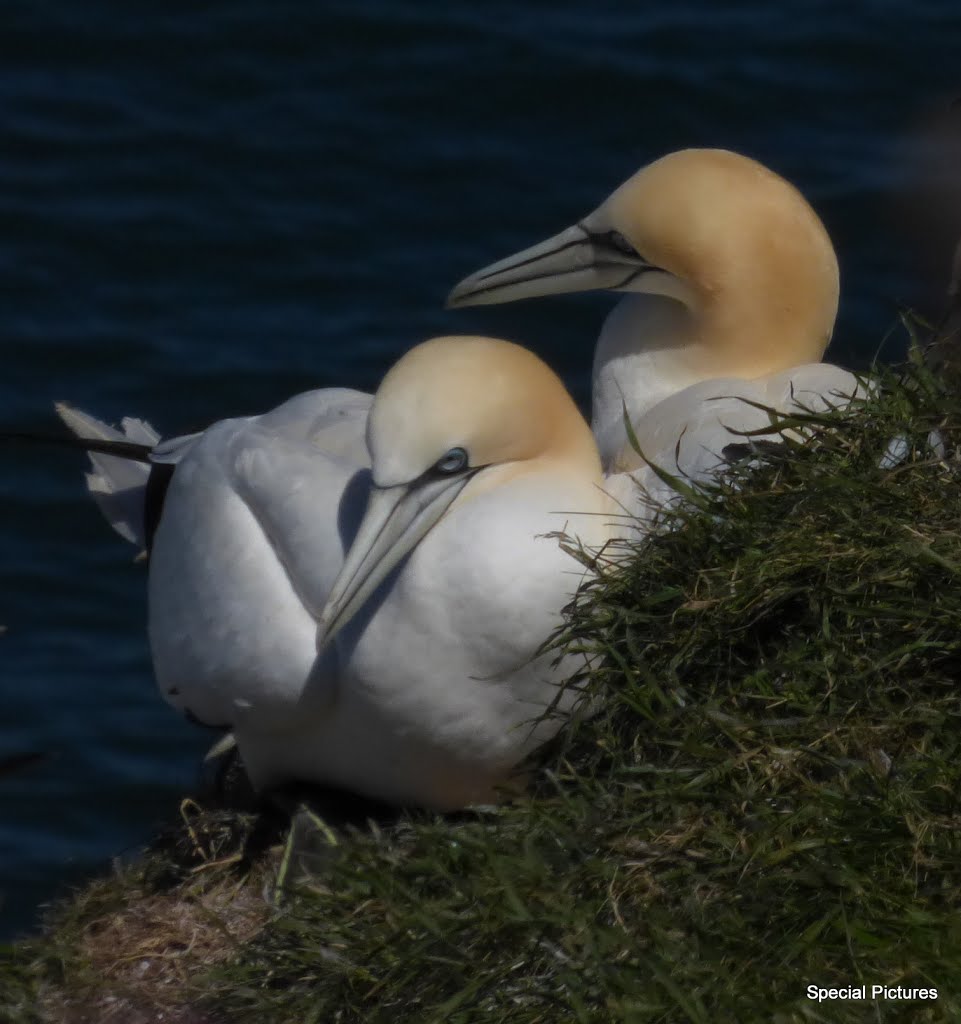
x: 641, y: 357
x: 653, y: 345
x: 579, y: 468
x: 570, y: 454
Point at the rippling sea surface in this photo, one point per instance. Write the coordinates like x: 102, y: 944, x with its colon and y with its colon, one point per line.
x: 207, y: 208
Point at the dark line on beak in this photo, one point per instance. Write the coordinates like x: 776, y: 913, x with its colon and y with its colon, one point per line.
x: 543, y: 255
x: 633, y: 275
x: 525, y: 280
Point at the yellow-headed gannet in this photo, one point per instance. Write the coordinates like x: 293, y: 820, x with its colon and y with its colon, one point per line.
x: 407, y: 669
x: 733, y: 291
x: 427, y: 689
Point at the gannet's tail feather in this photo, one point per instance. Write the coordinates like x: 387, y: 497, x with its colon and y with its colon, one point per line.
x: 118, y: 482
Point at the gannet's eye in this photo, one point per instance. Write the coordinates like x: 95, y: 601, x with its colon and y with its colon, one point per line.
x: 453, y: 462
x: 617, y: 241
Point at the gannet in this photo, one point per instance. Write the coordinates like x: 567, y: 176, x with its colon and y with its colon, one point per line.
x: 408, y: 669
x: 732, y: 286
x: 430, y: 687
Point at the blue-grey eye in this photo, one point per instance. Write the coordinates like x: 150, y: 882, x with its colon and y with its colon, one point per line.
x: 453, y: 462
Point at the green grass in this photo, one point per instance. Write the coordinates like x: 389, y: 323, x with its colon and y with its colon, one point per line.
x: 768, y: 798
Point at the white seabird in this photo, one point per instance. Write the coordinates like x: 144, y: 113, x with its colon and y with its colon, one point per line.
x: 732, y: 286
x: 429, y: 688
x: 409, y: 669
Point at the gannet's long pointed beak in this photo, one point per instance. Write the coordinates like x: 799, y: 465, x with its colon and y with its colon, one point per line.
x: 396, y: 520
x: 577, y: 260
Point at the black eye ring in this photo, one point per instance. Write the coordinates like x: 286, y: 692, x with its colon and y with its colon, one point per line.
x: 453, y: 462
x: 617, y: 241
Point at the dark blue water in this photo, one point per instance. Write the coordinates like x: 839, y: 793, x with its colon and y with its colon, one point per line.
x: 208, y: 207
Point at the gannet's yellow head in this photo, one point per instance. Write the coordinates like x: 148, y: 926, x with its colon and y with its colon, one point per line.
x: 492, y: 400
x: 733, y: 242
x: 452, y: 418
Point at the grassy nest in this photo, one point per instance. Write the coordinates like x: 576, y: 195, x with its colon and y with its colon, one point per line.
x: 768, y: 798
